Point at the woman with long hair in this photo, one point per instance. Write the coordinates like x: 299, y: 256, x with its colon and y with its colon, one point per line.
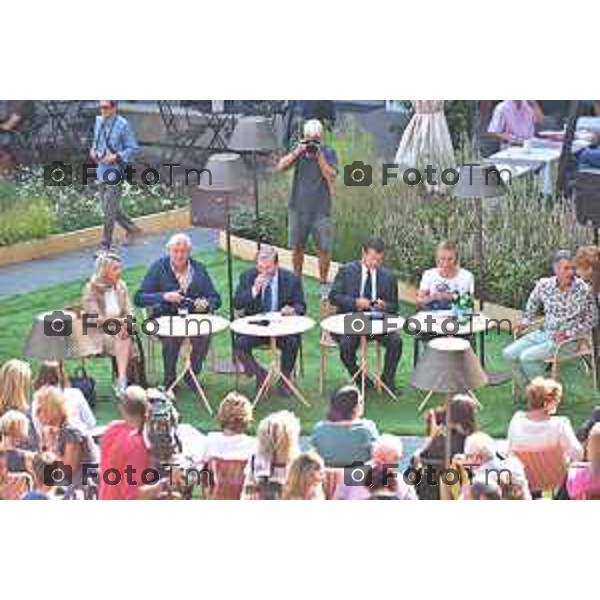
x: 106, y: 297
x: 278, y: 443
x: 305, y: 478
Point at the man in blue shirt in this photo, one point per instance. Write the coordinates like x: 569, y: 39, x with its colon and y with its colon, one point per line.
x: 114, y: 146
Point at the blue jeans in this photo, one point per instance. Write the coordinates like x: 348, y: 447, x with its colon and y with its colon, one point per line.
x: 589, y: 158
x: 529, y: 353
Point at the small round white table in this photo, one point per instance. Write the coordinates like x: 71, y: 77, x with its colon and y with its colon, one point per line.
x: 274, y: 325
x: 193, y: 325
x: 348, y: 324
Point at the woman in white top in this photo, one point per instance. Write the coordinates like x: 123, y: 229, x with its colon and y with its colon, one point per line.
x: 232, y: 442
x: 539, y: 427
x: 79, y: 413
x: 110, y: 315
x: 438, y: 284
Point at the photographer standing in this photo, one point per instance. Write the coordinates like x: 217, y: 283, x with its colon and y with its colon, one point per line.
x: 310, y: 202
x: 114, y: 146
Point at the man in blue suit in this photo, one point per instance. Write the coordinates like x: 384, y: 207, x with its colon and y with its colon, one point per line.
x: 171, y: 281
x: 268, y: 288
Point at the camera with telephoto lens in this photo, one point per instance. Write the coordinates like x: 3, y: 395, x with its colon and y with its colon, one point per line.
x: 312, y: 146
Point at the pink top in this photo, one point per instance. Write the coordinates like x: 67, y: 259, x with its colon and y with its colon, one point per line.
x: 513, y: 119
x: 582, y: 481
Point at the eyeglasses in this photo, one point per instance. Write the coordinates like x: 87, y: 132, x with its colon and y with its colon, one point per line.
x: 105, y: 106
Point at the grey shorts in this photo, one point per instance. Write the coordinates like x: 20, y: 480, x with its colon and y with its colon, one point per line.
x: 301, y: 225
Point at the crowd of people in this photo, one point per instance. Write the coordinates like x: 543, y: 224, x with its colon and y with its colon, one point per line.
x: 44, y: 423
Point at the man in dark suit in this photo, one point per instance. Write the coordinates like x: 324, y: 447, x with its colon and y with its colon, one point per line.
x: 172, y: 281
x: 268, y: 288
x: 361, y: 286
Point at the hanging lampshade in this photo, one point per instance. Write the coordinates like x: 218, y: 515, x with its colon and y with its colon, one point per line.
x: 479, y: 181
x: 227, y: 173
x: 448, y: 366
x: 253, y: 134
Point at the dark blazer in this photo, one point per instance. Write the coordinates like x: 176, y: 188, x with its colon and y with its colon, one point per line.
x: 289, y: 293
x: 346, y: 288
x: 160, y: 279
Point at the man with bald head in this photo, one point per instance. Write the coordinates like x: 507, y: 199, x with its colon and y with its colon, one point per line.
x: 174, y: 280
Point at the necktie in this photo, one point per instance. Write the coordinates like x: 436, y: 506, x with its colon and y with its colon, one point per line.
x: 267, y: 299
x: 368, y: 290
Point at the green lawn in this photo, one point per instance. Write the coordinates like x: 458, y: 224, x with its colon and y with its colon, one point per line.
x: 394, y: 416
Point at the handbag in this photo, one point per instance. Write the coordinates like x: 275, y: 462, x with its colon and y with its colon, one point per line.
x: 82, y: 381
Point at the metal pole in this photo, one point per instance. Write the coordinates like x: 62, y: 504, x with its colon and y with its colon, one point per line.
x: 256, y: 204
x: 230, y: 275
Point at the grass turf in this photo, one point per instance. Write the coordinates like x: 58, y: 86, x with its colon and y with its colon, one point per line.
x: 399, y: 416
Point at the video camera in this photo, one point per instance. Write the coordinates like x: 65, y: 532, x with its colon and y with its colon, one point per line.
x: 161, y: 425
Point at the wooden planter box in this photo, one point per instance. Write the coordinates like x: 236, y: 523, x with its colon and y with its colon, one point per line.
x: 92, y: 236
x: 246, y: 250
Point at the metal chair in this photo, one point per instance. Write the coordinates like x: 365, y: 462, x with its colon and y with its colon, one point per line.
x: 584, y: 350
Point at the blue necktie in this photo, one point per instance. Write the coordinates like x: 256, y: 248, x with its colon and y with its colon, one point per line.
x: 267, y: 299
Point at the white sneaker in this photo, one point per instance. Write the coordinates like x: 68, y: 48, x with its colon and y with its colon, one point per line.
x: 324, y: 290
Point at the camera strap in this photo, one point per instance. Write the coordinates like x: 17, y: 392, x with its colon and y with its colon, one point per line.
x: 102, y: 134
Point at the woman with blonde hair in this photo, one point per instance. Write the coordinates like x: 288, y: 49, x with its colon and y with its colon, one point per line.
x: 108, y: 306
x: 539, y: 427
x: 80, y: 414
x: 15, y: 385
x: 14, y: 434
x: 278, y: 443
x: 73, y: 447
x: 305, y: 478
x: 587, y: 266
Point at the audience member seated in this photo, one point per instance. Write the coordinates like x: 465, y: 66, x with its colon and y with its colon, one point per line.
x: 587, y: 266
x: 440, y: 283
x: 366, y: 286
x: 42, y: 461
x: 278, y: 443
x: 106, y: 305
x: 386, y: 451
x: 345, y: 437
x: 80, y: 414
x: 14, y: 434
x: 513, y: 121
x: 123, y: 446
x: 226, y: 452
x: 583, y: 481
x: 431, y: 459
x: 383, y: 484
x: 267, y: 287
x: 589, y: 158
x: 72, y: 446
x: 175, y: 282
x: 15, y: 387
x: 12, y: 485
x: 305, y: 478
x: 584, y: 431
x: 480, y: 490
x: 539, y: 427
x: 569, y: 311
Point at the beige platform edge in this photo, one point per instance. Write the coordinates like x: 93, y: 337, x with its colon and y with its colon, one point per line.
x: 246, y: 250
x: 84, y: 238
